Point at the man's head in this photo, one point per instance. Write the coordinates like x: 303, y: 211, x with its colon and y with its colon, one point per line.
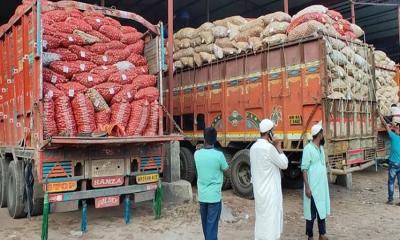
x: 396, y: 127
x: 266, y: 128
x: 318, y: 134
x: 210, y: 136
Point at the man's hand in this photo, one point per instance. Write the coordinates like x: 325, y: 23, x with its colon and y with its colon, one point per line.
x: 387, y: 127
x: 277, y: 144
x: 199, y: 146
x: 308, y: 192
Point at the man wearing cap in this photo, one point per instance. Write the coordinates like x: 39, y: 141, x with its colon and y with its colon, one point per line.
x: 316, y: 188
x: 394, y: 158
x: 266, y: 161
x: 210, y: 166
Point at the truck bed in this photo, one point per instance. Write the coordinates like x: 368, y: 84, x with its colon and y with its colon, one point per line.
x: 113, y: 140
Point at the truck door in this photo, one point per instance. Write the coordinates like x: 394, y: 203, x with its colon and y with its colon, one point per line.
x: 235, y: 115
x: 253, y: 96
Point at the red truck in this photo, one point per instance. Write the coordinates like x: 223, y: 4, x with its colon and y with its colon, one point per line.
x: 288, y: 83
x: 76, y: 168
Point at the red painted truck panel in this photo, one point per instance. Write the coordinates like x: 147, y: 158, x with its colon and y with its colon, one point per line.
x: 286, y: 83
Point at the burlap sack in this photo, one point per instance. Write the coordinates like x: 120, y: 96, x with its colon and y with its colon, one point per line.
x: 186, y: 33
x: 188, y: 52
x: 244, y: 36
x: 258, y: 22
x: 187, y: 61
x: 207, y: 57
x: 206, y: 26
x: 224, y: 43
x: 207, y: 37
x: 275, y: 39
x: 237, y: 20
x: 275, y: 28
x: 305, y: 29
x: 255, y: 43
x: 276, y: 16
x: 220, y: 31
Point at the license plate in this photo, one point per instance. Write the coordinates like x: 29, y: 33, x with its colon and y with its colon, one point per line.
x: 147, y: 178
x: 61, y: 186
x: 108, y: 167
x: 103, y: 202
x: 107, y: 181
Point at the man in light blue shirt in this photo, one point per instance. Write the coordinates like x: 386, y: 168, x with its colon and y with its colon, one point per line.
x: 210, y: 166
x: 394, y: 158
x: 316, y: 187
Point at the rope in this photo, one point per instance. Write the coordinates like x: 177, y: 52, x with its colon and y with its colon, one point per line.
x: 45, y: 218
x: 84, y: 217
x: 127, y: 208
x: 172, y: 119
x: 158, y: 201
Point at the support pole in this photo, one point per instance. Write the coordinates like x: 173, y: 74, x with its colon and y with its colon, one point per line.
x: 398, y: 20
x: 170, y: 61
x: 286, y: 6
x: 102, y: 3
x: 353, y: 12
x: 84, y: 217
x: 127, y: 209
x: 208, y: 10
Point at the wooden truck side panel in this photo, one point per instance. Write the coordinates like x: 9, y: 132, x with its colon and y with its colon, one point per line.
x: 247, y: 89
x: 19, y: 83
x: 286, y: 84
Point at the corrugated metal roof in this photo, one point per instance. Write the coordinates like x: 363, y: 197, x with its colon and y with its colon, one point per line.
x: 379, y: 22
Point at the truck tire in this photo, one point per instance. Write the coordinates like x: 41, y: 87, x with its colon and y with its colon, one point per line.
x: 15, y: 193
x: 38, y: 193
x: 292, y: 183
x: 3, y: 182
x: 227, y: 174
x: 188, y: 167
x: 293, y: 178
x: 241, y: 175
x: 37, y: 208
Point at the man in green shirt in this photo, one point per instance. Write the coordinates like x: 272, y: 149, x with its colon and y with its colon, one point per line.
x: 210, y: 166
x: 316, y: 188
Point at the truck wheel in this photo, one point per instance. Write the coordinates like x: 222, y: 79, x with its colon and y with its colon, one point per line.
x: 15, y: 193
x: 292, y: 183
x: 188, y: 167
x: 3, y: 182
x: 293, y: 178
x: 241, y: 175
x: 227, y: 175
x: 37, y: 208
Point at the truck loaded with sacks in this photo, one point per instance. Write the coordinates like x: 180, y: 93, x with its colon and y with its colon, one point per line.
x: 80, y: 107
x: 232, y: 73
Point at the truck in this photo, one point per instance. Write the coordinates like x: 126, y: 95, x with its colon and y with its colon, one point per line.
x: 71, y: 169
x: 287, y: 83
x: 383, y: 142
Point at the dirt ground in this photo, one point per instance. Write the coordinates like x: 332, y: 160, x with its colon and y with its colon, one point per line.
x: 357, y: 214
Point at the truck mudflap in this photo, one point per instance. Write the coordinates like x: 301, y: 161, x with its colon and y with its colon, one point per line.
x: 351, y: 169
x: 104, y: 192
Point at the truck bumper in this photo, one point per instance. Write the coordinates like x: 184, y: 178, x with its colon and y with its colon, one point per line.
x: 104, y: 192
x: 352, y: 169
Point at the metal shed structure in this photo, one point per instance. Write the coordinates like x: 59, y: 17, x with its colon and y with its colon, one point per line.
x: 379, y: 18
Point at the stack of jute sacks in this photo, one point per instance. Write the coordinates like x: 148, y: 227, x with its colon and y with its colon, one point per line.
x: 226, y: 37
x: 387, y: 89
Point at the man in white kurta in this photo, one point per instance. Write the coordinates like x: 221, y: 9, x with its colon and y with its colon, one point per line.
x: 267, y: 160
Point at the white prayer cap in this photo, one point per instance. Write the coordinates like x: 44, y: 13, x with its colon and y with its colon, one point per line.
x: 266, y: 125
x: 316, y: 129
x: 395, y: 110
x: 396, y: 114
